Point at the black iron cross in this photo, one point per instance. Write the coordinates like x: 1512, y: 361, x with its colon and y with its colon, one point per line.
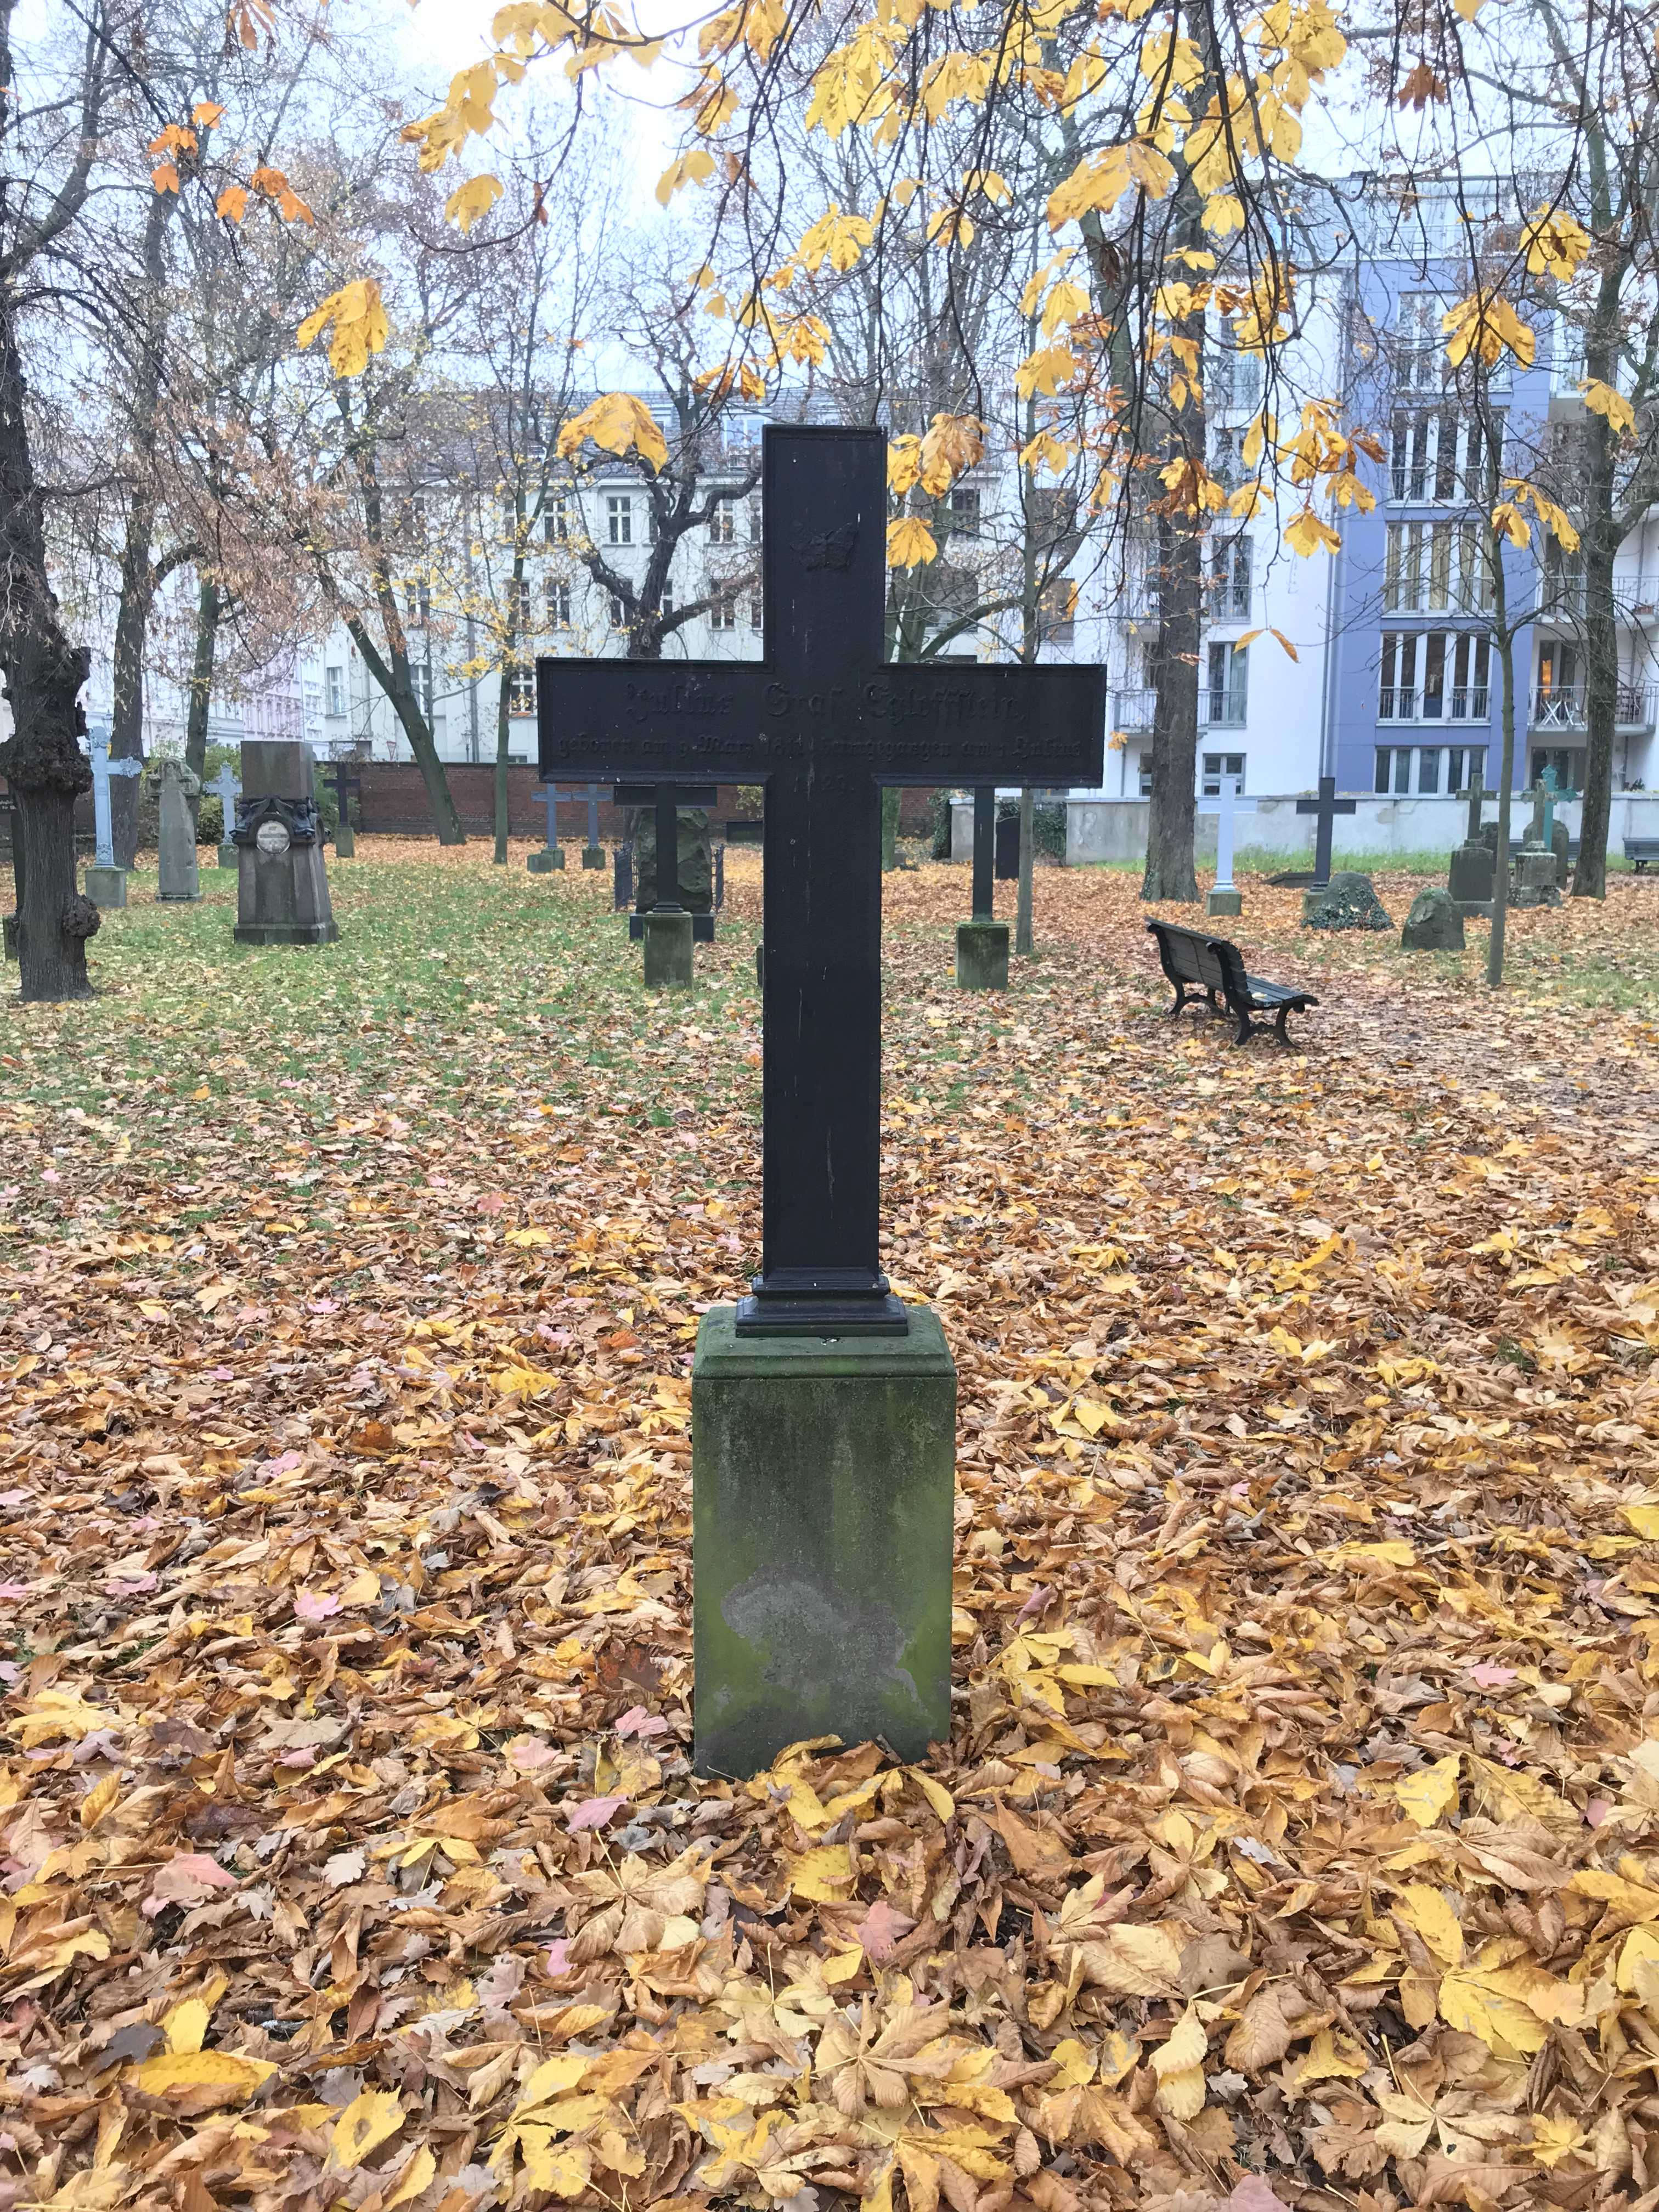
x: 823, y: 722
x: 344, y: 780
x: 666, y: 797
x: 1326, y: 805
x: 985, y: 845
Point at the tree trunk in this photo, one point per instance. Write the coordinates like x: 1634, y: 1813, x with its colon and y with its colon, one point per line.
x: 1023, y: 904
x: 1600, y: 663
x: 41, y: 760
x: 209, y: 608
x: 126, y: 736
x: 503, y: 738
x: 892, y: 799
x: 1169, y: 873
x: 395, y: 681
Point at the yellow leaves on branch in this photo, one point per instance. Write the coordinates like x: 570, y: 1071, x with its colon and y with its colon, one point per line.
x: 690, y: 168
x: 1554, y: 243
x: 745, y: 378
x: 1305, y: 533
x: 836, y: 238
x: 359, y: 322
x: 758, y: 23
x: 1102, y: 180
x: 910, y: 543
x: 851, y: 84
x: 711, y: 103
x: 1484, y: 327
x: 616, y: 423
x: 1601, y: 399
x: 272, y: 186
x: 1045, y: 451
x: 469, y: 202
x: 1508, y: 522
x: 953, y: 443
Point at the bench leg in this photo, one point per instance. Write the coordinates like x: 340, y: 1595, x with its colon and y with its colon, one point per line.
x: 1279, y: 1030
x: 1247, y: 1029
x: 1183, y: 997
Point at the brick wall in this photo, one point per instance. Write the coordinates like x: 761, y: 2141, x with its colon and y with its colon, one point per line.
x: 394, y: 804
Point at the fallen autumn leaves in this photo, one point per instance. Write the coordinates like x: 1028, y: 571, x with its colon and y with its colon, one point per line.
x: 1294, y: 1844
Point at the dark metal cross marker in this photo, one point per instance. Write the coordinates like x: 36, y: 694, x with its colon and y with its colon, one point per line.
x: 985, y: 845
x: 823, y: 722
x: 344, y: 780
x: 1325, y: 806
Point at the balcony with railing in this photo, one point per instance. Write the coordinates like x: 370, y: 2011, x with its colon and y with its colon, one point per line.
x: 1133, y: 711
x: 1565, y: 707
x: 1407, y: 703
x: 1221, y: 708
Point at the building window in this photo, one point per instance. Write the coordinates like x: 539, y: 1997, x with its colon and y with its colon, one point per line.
x: 619, y: 613
x: 1217, y: 766
x: 1437, y: 455
x: 420, y: 679
x: 1233, y: 380
x: 518, y: 604
x: 1564, y: 583
x: 558, y: 604
x: 1418, y: 336
x: 1428, y: 767
x: 1393, y: 769
x: 521, y: 688
x: 510, y: 517
x: 754, y: 506
x: 756, y: 612
x: 1056, y: 610
x: 335, y: 690
x: 723, y: 615
x: 723, y: 522
x: 418, y: 598
x: 1230, y: 581
x: 964, y: 511
x: 1144, y: 774
x: 618, y: 519
x: 556, y: 520
x: 1435, y: 676
x: 1223, y: 701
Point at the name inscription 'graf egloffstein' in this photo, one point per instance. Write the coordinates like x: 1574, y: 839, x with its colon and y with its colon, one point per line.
x: 823, y: 722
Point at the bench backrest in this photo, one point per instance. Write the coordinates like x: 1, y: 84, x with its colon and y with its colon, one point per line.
x: 1648, y: 847
x: 1192, y: 956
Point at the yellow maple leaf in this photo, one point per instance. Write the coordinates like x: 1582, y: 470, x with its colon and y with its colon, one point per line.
x: 616, y: 421
x: 1425, y: 1909
x: 232, y: 203
x: 1425, y: 1796
x: 471, y: 201
x: 1601, y: 399
x: 824, y: 1875
x: 369, y: 2120
x: 690, y: 168
x: 216, y: 2076
x: 1306, y: 534
x: 359, y: 325
x: 910, y: 543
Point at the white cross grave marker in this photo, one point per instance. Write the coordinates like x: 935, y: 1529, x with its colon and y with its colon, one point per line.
x: 107, y: 884
x: 1225, y: 898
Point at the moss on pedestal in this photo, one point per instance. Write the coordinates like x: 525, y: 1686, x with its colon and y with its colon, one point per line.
x: 982, y: 956
x: 824, y: 1473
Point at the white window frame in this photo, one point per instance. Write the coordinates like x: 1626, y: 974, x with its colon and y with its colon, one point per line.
x: 618, y: 518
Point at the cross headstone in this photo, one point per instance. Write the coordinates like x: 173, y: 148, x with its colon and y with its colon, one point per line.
x: 546, y: 796
x: 1225, y: 898
x: 666, y: 927
x: 822, y: 1471
x: 593, y: 851
x: 282, y: 885
x: 1326, y: 807
x: 107, y: 884
x: 983, y: 942
x: 1470, y: 879
x: 225, y: 788
x: 344, y: 780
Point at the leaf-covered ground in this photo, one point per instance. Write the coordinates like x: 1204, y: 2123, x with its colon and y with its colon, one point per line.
x: 1297, y: 1839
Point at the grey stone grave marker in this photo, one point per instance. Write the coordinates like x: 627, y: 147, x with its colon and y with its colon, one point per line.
x: 178, y: 878
x: 1225, y: 898
x: 1470, y: 877
x: 281, y: 889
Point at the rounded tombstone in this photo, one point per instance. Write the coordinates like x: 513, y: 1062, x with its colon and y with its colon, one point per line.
x: 1435, y: 923
x: 273, y: 837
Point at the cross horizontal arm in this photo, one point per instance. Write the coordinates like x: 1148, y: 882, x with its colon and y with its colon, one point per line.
x: 914, y: 722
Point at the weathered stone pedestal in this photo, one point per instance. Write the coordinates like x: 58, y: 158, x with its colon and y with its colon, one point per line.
x: 545, y: 863
x: 345, y: 840
x: 1537, y: 880
x: 982, y: 956
x: 1435, y: 923
x: 667, y: 941
x: 225, y: 857
x: 1229, y: 902
x: 282, y: 889
x: 593, y: 856
x: 106, y: 886
x: 824, y: 1473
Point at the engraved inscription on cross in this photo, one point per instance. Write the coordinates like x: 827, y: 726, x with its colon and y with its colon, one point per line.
x: 823, y: 722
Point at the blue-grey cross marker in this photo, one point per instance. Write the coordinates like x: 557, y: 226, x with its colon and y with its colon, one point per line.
x: 591, y: 793
x: 102, y: 768
x: 226, y: 789
x: 547, y: 795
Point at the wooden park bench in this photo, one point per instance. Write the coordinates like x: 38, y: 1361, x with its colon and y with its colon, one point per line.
x: 1638, y: 851
x: 1208, y: 969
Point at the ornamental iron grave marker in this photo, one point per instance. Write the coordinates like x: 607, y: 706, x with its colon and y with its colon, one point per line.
x: 550, y: 856
x: 822, y: 723
x: 342, y: 780
x: 226, y: 789
x: 107, y: 884
x: 822, y: 1410
x: 983, y: 942
x: 282, y: 885
x: 1324, y: 809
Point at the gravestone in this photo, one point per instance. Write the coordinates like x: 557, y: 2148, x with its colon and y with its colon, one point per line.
x: 1349, y: 901
x: 1324, y: 809
x: 983, y: 942
x: 1007, y: 847
x: 593, y: 851
x: 1536, y: 878
x: 622, y: 878
x: 551, y: 856
x: 662, y: 920
x: 107, y: 884
x: 1470, y: 878
x: 177, y: 879
x: 342, y: 780
x: 1225, y: 898
x: 695, y: 857
x: 1435, y: 923
x: 823, y: 1409
x: 281, y: 888
x: 224, y: 787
